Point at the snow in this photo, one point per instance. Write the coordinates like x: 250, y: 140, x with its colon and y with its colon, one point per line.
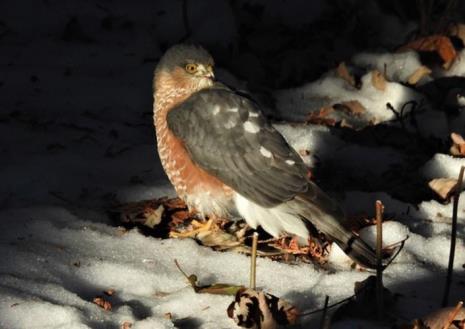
x: 443, y: 165
x: 457, y: 68
x: 397, y: 67
x: 297, y: 104
x: 76, y: 131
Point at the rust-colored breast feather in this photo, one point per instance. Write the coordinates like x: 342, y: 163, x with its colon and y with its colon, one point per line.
x: 200, y: 190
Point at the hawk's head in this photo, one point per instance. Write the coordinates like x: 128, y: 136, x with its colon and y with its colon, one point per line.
x: 185, y: 66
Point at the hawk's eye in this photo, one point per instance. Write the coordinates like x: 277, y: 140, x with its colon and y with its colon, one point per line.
x: 191, y: 68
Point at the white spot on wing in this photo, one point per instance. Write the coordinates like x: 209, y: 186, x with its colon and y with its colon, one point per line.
x: 265, y: 152
x: 251, y: 127
x: 216, y: 110
x: 230, y: 124
x: 253, y: 114
x: 233, y: 109
x: 290, y: 162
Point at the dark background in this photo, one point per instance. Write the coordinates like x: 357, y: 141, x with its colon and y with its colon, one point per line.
x: 75, y: 79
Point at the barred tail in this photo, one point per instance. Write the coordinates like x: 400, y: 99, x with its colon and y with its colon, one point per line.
x: 328, y: 218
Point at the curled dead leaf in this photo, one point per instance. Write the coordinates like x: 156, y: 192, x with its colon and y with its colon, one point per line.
x: 441, y: 318
x: 378, y: 80
x: 458, y: 30
x: 458, y: 145
x: 344, y: 74
x: 440, y: 44
x: 100, y: 301
x: 215, y: 289
x: 109, y: 292
x: 257, y: 309
x: 444, y: 187
x: 351, y: 107
x: 154, y: 216
x: 322, y: 116
x: 420, y: 73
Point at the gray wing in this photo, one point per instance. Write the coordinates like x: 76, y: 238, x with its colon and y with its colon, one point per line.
x: 227, y: 136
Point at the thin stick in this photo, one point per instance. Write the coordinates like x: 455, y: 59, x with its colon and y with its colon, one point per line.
x: 453, y: 236
x: 452, y: 315
x: 253, y: 261
x: 325, y: 311
x: 379, y: 259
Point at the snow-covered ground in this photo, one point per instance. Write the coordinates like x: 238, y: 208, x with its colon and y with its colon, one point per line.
x: 76, y: 134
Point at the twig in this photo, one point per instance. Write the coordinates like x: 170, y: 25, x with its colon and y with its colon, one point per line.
x: 452, y: 315
x: 401, y: 246
x: 379, y: 259
x: 330, y: 306
x: 191, y: 278
x: 453, y: 236
x: 323, y: 316
x: 253, y: 262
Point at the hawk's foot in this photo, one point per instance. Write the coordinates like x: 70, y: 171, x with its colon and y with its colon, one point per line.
x: 197, y: 227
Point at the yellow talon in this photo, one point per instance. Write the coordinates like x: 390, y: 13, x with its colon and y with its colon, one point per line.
x: 198, y: 228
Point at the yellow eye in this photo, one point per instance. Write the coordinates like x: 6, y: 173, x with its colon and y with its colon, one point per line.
x: 191, y: 68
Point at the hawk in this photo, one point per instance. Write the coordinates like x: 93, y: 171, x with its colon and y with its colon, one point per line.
x: 225, y: 159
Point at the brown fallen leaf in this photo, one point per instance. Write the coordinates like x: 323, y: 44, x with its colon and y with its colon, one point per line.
x: 322, y: 116
x: 440, y: 44
x: 458, y: 145
x: 168, y: 315
x: 109, y: 292
x: 351, y: 107
x: 437, y: 319
x: 258, y: 309
x: 458, y: 30
x: 100, y: 301
x: 420, y: 73
x: 344, y: 74
x: 444, y: 187
x: 350, y: 114
x: 378, y: 80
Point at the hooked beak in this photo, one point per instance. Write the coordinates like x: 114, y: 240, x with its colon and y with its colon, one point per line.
x: 210, y: 75
x: 207, y: 72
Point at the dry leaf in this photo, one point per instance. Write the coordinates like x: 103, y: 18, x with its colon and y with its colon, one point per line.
x: 443, y: 187
x: 351, y: 107
x: 458, y: 30
x: 349, y: 114
x: 109, y: 292
x: 344, y: 74
x: 435, y: 43
x: 257, y: 309
x: 322, y: 116
x: 126, y: 325
x: 437, y: 319
x: 420, y: 73
x: 458, y: 146
x: 215, y: 289
x: 154, y: 216
x: 100, y: 301
x: 168, y: 316
x: 377, y: 80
